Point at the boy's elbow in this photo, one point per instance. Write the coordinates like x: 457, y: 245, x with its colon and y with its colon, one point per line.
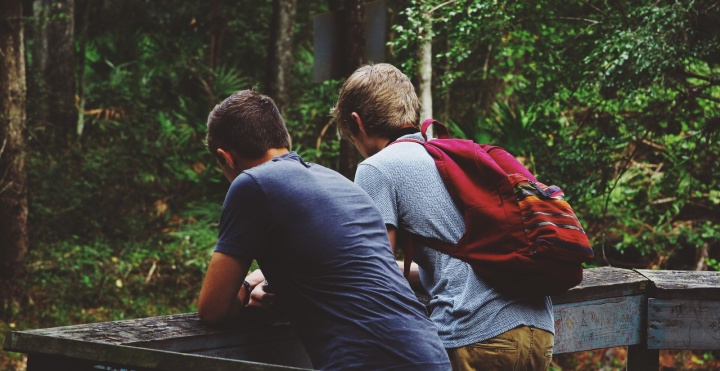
x: 210, y: 317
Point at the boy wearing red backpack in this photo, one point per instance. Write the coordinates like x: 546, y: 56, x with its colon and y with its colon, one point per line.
x: 481, y: 327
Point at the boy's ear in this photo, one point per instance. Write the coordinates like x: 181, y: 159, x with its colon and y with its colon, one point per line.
x: 358, y: 120
x: 225, y: 155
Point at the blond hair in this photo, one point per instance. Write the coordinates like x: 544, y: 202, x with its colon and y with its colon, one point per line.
x: 382, y: 96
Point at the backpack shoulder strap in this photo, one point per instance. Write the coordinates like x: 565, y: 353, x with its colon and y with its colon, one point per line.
x: 407, y: 241
x: 404, y: 238
x: 507, y: 162
x: 441, y: 131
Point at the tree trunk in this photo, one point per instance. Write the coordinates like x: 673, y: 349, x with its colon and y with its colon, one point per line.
x: 218, y: 25
x: 354, y: 58
x: 60, y: 74
x: 355, y: 45
x: 281, y: 51
x: 81, y: 66
x: 446, y: 91
x: 702, y: 254
x: 425, y: 70
x: 37, y: 104
x: 13, y: 191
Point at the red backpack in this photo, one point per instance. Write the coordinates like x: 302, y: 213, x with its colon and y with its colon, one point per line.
x: 520, y: 234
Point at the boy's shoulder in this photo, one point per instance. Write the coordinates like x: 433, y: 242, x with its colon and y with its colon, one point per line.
x: 398, y: 156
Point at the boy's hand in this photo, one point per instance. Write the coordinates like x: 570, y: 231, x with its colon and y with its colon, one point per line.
x: 256, y: 278
x: 260, y: 298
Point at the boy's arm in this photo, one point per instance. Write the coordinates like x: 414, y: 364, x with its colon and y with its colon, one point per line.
x: 240, y: 238
x: 223, y: 294
x: 414, y: 277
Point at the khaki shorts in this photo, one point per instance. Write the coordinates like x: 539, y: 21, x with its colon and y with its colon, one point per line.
x: 522, y: 348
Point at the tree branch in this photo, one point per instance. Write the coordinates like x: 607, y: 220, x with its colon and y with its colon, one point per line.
x: 2, y: 149
x: 709, y: 79
x: 621, y: 170
x: 578, y: 19
x: 596, y: 8
x: 441, y: 5
x: 713, y: 99
x: 712, y: 6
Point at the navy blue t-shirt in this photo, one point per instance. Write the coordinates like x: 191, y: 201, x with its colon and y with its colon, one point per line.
x: 322, y: 245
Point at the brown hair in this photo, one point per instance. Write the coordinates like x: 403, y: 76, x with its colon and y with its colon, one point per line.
x: 247, y: 122
x: 382, y: 96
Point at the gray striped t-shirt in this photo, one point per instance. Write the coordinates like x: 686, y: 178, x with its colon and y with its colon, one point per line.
x: 405, y: 184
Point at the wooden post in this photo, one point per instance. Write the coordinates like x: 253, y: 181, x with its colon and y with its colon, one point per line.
x: 640, y: 358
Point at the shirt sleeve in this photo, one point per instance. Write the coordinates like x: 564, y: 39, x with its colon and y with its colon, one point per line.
x: 245, y: 219
x: 381, y: 190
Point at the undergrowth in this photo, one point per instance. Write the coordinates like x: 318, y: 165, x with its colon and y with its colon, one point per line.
x: 72, y: 281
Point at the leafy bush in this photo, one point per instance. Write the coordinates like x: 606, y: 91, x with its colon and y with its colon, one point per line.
x: 72, y: 281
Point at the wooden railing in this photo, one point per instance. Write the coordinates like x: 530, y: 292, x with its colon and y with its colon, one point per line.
x: 644, y: 310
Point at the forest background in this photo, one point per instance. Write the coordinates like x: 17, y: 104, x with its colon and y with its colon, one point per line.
x: 109, y: 201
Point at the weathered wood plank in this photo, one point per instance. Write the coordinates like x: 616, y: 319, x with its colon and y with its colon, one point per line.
x: 288, y: 352
x: 683, y: 324
x: 266, y: 333
x: 604, y: 282
x: 135, y: 330
x: 123, y: 356
x: 254, y: 339
x: 691, y: 285
x: 168, y: 330
x: 602, y: 323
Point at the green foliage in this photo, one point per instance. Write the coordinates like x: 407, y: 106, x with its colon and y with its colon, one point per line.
x: 226, y: 81
x: 618, y: 103
x: 315, y: 137
x: 72, y: 281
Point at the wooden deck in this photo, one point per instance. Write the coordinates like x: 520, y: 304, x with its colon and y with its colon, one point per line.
x: 644, y: 310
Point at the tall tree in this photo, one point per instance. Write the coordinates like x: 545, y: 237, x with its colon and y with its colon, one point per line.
x: 84, y: 12
x: 355, y: 45
x: 425, y: 64
x: 60, y: 74
x: 354, y: 58
x: 36, y: 88
x: 56, y: 88
x: 13, y: 194
x: 281, y: 51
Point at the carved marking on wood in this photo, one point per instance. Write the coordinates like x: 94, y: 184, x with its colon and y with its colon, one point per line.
x: 598, y: 324
x: 683, y: 324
